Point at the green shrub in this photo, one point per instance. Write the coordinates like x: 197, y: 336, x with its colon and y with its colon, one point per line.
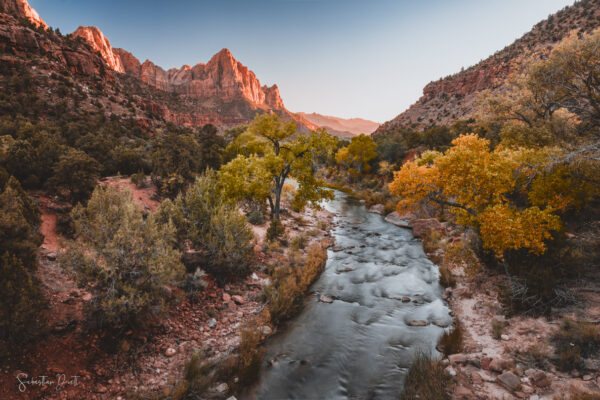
x: 426, y: 379
x: 204, y: 221
x: 256, y: 217
x: 275, y: 229
x: 139, y: 179
x: 77, y: 173
x: 126, y: 260
x: 229, y: 247
x: 497, y: 329
x: 21, y: 304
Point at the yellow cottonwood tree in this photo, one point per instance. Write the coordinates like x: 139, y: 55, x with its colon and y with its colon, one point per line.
x: 478, y: 186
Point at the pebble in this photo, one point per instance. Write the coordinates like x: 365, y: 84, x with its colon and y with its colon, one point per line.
x: 170, y: 352
x: 325, y: 299
x: 418, y: 322
x: 504, y: 337
x: 212, y: 323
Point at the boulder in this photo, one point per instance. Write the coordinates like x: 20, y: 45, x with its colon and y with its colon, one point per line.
x: 540, y: 379
x: 496, y: 365
x: 509, y: 381
x: 422, y: 227
x: 394, y: 218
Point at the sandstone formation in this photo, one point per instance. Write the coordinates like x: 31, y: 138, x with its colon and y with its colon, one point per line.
x: 22, y: 9
x: 455, y: 97
x: 100, y: 43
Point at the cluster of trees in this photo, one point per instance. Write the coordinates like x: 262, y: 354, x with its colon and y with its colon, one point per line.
x: 536, y: 170
x: 21, y: 302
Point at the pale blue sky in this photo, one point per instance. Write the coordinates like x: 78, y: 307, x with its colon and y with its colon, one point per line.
x: 348, y: 58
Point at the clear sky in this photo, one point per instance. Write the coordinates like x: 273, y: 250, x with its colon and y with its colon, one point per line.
x: 347, y: 58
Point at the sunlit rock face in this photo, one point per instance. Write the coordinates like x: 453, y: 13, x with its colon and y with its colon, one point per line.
x: 100, y: 43
x: 22, y: 9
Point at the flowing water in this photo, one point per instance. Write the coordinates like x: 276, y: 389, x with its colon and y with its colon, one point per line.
x: 360, y: 346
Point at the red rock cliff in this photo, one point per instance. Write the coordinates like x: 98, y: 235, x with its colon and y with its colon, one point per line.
x: 100, y: 43
x: 22, y: 9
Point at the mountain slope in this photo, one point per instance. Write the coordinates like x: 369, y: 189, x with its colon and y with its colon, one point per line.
x: 453, y: 98
x: 340, y: 126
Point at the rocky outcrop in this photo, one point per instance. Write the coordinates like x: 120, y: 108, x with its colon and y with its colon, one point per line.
x: 23, y: 41
x: 222, y: 77
x: 95, y: 38
x: 22, y: 9
x: 453, y: 98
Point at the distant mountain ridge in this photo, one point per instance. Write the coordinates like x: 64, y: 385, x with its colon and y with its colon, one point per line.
x: 453, y: 98
x: 222, y: 92
x: 341, y: 127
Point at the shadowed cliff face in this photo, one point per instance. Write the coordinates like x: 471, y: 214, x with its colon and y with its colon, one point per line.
x: 455, y: 97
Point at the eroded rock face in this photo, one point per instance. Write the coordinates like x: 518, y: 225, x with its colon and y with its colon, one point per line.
x: 100, y: 43
x: 22, y: 9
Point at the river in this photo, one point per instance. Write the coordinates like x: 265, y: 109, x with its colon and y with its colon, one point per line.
x: 360, y: 346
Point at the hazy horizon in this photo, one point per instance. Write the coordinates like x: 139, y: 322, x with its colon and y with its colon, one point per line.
x: 349, y: 59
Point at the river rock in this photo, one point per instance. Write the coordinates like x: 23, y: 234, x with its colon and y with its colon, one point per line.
x: 377, y: 209
x: 394, y: 218
x: 509, y: 380
x: 266, y: 330
x: 422, y: 227
x: 418, y: 322
x: 325, y: 299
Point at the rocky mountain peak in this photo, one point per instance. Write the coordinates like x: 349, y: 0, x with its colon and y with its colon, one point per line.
x: 22, y: 9
x: 100, y: 43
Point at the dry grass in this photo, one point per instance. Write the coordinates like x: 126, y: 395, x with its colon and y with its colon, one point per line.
x: 574, y: 341
x: 451, y: 342
x: 426, y: 379
x: 291, y: 280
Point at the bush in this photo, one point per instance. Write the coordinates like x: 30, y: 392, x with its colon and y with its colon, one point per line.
x: 126, y: 261
x: 275, y: 229
x: 205, y: 222
x: 446, y: 277
x: 451, y: 341
x: 574, y: 341
x: 228, y: 243
x: 426, y: 379
x: 497, y: 329
x: 20, y: 304
x: 256, y: 217
x: 77, y: 173
x: 299, y: 241
x: 139, y: 179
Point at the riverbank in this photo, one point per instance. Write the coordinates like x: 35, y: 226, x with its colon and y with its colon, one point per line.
x: 510, y: 356
x: 151, y: 363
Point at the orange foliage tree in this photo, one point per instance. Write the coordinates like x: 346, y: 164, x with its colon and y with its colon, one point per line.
x: 484, y: 189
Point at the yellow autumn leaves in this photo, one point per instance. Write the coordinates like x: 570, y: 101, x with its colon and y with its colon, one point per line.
x: 483, y: 189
